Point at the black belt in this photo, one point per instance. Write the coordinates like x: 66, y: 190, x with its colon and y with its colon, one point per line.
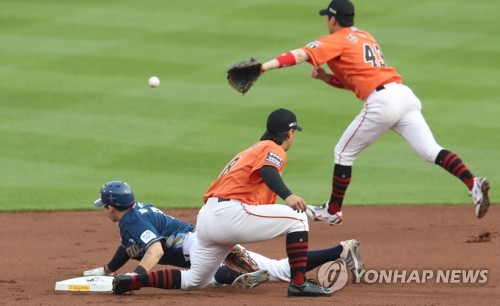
x: 381, y: 87
x: 222, y: 200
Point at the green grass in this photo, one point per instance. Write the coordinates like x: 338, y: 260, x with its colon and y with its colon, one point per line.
x: 76, y: 111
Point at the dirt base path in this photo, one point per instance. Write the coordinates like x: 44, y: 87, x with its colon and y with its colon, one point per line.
x: 41, y: 248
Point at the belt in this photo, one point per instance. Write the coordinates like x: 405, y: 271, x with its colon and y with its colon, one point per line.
x: 222, y: 200
x: 381, y: 87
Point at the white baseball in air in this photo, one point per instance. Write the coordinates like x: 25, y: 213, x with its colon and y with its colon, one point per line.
x: 154, y: 82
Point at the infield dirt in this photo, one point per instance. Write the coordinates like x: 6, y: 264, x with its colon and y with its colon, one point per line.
x: 40, y: 248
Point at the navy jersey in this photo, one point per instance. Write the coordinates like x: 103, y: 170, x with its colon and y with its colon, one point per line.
x: 145, y: 224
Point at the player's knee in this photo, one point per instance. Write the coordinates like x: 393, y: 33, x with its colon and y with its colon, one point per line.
x: 300, y: 224
x: 344, y: 158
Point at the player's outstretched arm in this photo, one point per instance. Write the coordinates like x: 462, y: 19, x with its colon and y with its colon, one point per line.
x: 119, y: 259
x: 287, y: 59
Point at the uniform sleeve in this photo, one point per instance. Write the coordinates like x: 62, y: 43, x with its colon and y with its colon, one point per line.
x: 322, y: 50
x: 119, y: 259
x: 148, y: 236
x: 273, y: 180
x: 271, y: 155
x: 142, y: 234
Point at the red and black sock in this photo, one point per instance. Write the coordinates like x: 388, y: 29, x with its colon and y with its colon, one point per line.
x: 340, y: 182
x: 164, y: 279
x: 454, y: 165
x: 296, y: 248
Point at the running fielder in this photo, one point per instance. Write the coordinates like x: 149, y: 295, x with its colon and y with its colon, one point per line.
x: 357, y: 64
x: 146, y: 231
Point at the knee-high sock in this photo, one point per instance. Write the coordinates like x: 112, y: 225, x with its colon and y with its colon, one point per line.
x: 340, y: 181
x: 224, y: 275
x: 454, y: 165
x: 296, y: 249
x: 164, y: 279
x: 315, y: 258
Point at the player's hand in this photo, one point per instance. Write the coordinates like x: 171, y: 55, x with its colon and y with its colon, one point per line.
x: 296, y: 203
x: 102, y: 271
x: 320, y: 74
x: 95, y: 272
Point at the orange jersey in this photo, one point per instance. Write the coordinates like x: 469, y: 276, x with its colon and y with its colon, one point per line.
x: 355, y: 58
x: 241, y: 180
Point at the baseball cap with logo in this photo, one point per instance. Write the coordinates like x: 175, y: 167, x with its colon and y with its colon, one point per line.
x: 342, y: 10
x: 282, y: 120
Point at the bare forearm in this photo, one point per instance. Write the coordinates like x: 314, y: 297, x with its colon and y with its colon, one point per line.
x: 299, y: 56
x: 330, y: 79
x: 149, y: 261
x: 152, y: 256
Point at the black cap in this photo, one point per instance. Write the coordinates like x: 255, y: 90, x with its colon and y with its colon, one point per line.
x: 282, y: 120
x: 342, y: 10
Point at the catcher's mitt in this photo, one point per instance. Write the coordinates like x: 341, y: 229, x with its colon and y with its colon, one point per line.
x: 240, y: 261
x: 241, y: 76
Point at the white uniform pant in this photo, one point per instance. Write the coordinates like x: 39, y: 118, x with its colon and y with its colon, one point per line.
x: 221, y: 225
x: 279, y: 269
x: 397, y: 108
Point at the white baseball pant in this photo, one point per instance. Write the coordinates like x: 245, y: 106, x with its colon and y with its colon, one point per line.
x: 221, y: 225
x: 397, y: 108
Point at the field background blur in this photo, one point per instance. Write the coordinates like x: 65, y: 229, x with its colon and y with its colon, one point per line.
x: 76, y: 111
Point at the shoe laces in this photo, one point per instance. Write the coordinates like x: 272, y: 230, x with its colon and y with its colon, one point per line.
x: 312, y: 282
x: 349, y: 262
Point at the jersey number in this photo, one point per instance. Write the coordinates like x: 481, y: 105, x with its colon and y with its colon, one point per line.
x: 229, y: 166
x: 373, y: 55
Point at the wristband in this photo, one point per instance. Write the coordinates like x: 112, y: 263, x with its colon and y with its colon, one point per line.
x: 286, y: 59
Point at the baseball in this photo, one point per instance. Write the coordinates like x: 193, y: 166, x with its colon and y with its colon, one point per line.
x: 154, y: 81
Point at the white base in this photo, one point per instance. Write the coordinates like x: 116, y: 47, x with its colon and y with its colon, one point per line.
x: 86, y: 283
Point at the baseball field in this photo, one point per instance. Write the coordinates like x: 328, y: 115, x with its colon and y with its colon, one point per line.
x: 76, y: 111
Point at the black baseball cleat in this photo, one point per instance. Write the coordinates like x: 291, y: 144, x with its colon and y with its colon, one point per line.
x: 308, y: 289
x: 122, y: 283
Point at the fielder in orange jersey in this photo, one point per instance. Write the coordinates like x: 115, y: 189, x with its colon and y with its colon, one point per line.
x: 239, y: 208
x: 357, y: 64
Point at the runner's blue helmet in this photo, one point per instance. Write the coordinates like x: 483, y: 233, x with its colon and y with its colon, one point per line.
x: 115, y: 193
